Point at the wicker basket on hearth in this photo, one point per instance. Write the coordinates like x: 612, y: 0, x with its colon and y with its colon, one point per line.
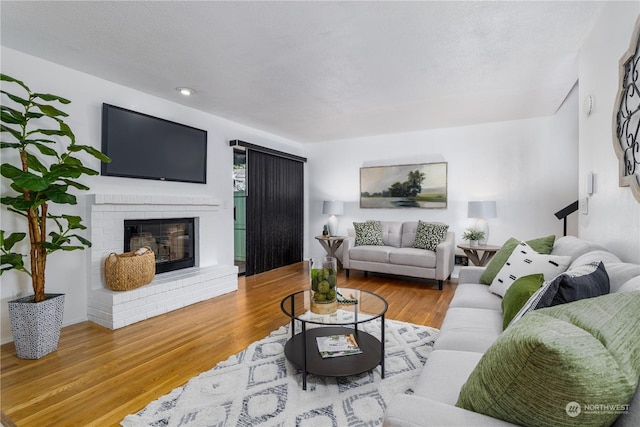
x: 130, y: 270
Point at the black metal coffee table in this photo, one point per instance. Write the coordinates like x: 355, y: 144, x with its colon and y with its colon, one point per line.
x: 302, y: 349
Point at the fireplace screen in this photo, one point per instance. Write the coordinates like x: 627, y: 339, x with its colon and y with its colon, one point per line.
x: 172, y: 240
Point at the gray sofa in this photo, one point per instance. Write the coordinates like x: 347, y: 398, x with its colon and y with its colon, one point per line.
x: 472, y: 324
x: 398, y: 256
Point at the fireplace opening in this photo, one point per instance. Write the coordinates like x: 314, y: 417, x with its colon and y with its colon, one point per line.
x: 172, y: 240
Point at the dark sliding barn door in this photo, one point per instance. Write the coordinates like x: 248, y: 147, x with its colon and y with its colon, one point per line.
x: 275, y: 218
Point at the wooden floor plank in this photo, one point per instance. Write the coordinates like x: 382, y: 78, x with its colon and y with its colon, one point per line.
x: 98, y: 376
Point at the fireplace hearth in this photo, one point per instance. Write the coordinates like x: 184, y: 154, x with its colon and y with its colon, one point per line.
x: 171, y: 290
x: 172, y: 240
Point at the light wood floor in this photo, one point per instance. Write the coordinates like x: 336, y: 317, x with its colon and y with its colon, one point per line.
x: 98, y: 376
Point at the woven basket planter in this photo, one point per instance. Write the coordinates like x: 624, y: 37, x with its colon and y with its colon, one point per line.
x: 128, y: 271
x: 35, y: 326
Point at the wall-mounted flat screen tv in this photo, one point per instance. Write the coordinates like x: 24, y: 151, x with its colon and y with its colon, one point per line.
x: 143, y: 146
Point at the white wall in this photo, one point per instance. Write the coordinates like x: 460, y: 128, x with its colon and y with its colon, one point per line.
x: 503, y: 161
x: 614, y: 214
x: 528, y: 166
x: 67, y: 273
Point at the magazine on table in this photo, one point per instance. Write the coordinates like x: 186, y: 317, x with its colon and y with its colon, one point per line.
x: 337, y: 345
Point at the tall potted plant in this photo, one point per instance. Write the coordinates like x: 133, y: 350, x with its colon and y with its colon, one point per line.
x: 36, y: 138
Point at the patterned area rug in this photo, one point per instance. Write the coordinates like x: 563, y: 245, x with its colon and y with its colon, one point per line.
x: 259, y: 387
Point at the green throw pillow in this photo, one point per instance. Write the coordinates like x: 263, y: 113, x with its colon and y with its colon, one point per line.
x: 430, y: 235
x: 542, y: 245
x: 368, y: 233
x: 517, y: 295
x: 555, y: 365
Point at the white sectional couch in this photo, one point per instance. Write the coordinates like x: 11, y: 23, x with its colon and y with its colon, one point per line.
x: 398, y: 256
x: 472, y: 324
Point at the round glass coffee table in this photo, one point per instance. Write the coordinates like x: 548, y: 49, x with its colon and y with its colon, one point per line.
x: 302, y: 349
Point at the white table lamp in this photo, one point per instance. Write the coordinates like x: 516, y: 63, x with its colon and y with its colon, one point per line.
x: 481, y: 211
x: 333, y: 208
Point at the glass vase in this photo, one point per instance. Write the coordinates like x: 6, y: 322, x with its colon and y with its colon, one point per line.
x: 323, y: 277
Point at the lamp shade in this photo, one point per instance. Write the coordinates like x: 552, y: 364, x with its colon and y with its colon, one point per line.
x: 482, y: 209
x: 332, y: 207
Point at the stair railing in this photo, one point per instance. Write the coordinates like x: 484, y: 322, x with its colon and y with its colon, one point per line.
x: 565, y: 212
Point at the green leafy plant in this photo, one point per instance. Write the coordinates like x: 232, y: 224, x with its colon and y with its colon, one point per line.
x: 34, y: 129
x: 472, y: 234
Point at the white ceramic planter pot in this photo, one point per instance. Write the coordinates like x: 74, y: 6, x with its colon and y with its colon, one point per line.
x: 36, y: 326
x: 473, y: 243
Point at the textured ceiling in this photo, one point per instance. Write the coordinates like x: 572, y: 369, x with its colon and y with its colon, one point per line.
x: 318, y: 71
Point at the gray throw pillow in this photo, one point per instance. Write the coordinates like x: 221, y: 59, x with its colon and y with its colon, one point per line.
x: 587, y: 281
x: 368, y: 233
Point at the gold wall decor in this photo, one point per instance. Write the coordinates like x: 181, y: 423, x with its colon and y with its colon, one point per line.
x: 626, y: 116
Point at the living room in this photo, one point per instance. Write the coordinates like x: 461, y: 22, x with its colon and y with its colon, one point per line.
x: 531, y: 166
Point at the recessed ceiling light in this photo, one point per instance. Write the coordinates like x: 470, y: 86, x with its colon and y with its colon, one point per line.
x: 185, y: 91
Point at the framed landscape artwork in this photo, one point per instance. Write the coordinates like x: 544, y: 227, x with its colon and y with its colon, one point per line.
x: 404, y: 186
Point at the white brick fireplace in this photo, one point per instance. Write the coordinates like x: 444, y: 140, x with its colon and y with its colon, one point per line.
x: 168, y: 291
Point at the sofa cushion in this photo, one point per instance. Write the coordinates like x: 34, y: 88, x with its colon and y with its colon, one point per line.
x: 391, y: 233
x: 620, y: 273
x: 370, y: 253
x: 429, y: 235
x: 594, y: 256
x: 630, y: 285
x: 524, y: 261
x: 542, y: 245
x: 408, y: 410
x: 517, y: 296
x: 471, y: 274
x: 409, y: 230
x: 588, y: 281
x: 412, y: 256
x: 631, y: 418
x: 475, y: 295
x: 587, y: 351
x: 444, y: 373
x: 368, y: 233
x: 469, y: 329
x: 574, y: 247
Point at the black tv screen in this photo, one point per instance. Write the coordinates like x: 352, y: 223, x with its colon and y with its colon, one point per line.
x: 143, y: 146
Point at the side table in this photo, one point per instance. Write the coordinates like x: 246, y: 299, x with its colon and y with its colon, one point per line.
x: 331, y: 245
x: 472, y: 252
